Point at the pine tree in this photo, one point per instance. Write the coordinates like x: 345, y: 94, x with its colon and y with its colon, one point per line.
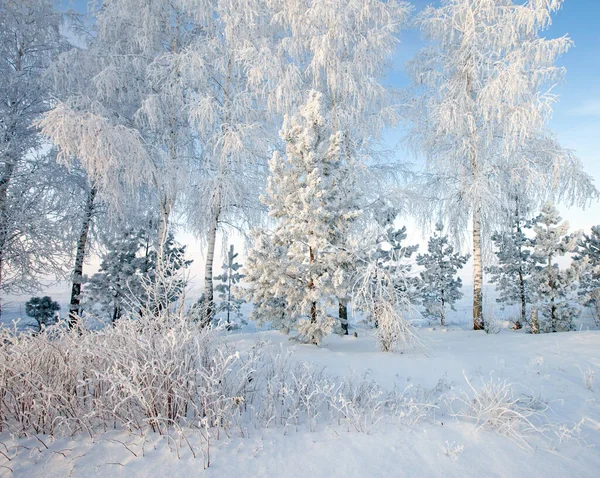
x: 587, y: 259
x: 128, y: 267
x: 300, y: 262
x: 118, y: 277
x: 440, y: 286
x: 552, y: 287
x: 43, y: 310
x: 229, y: 279
x: 511, y: 274
x: 391, y: 258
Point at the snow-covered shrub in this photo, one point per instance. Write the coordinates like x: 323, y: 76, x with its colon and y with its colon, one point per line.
x: 452, y: 450
x: 491, y: 325
x: 377, y: 296
x: 359, y: 403
x: 496, y: 406
x: 588, y: 378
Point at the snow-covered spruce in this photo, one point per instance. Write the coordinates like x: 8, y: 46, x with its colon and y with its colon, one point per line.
x: 515, y: 264
x: 300, y: 265
x: 587, y: 260
x: 385, y: 290
x: 131, y: 260
x: 553, y: 289
x: 440, y: 286
x: 227, y: 289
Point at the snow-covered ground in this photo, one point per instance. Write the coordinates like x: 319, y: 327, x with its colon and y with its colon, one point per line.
x: 554, y: 369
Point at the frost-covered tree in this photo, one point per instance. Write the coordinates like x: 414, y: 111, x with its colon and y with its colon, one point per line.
x: 123, y: 112
x: 128, y: 268
x: 553, y: 288
x: 344, y: 57
x: 31, y: 223
x: 481, y: 100
x: 384, y: 288
x: 229, y: 279
x: 440, y: 286
x: 299, y: 262
x: 43, y: 310
x: 512, y: 272
x: 587, y: 259
x: 391, y: 257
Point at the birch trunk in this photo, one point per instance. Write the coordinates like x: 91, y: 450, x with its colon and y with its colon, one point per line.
x: 74, y: 306
x: 477, y: 272
x: 208, y: 270
x: 4, y: 184
x: 343, y: 316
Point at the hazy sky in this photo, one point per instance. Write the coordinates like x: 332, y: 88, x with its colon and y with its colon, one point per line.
x: 576, y: 119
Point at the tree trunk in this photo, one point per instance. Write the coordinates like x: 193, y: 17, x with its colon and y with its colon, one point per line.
x: 4, y: 184
x: 74, y: 306
x: 443, y: 319
x: 343, y: 315
x: 208, y: 270
x: 519, y: 324
x: 477, y: 272
x: 311, y: 285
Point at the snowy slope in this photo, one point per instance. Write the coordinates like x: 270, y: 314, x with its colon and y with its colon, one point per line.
x: 550, y: 367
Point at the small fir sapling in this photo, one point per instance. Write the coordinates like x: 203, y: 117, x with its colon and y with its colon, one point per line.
x: 439, y: 285
x: 553, y: 287
x: 43, y: 310
x: 587, y: 260
x: 513, y: 270
x: 230, y: 278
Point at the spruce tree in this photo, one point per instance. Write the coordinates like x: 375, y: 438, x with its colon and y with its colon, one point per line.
x: 391, y: 258
x: 587, y: 260
x: 43, y: 310
x: 299, y: 268
x: 553, y: 287
x: 512, y: 273
x: 230, y: 277
x: 128, y: 267
x: 439, y: 285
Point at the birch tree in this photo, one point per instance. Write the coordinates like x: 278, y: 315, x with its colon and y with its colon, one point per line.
x: 482, y: 98
x: 30, y: 216
x: 122, y: 110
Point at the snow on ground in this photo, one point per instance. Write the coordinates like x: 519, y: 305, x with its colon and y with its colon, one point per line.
x: 554, y: 368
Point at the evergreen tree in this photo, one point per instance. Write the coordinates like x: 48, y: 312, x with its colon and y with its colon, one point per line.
x: 300, y: 262
x: 118, y: 277
x: 128, y: 267
x: 440, y: 286
x: 229, y: 279
x: 553, y: 287
x: 587, y: 259
x: 511, y: 274
x: 391, y: 258
x: 43, y: 310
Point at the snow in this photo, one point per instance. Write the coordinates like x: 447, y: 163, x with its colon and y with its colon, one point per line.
x: 548, y: 366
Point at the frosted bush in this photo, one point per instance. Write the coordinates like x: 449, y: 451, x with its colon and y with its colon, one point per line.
x: 496, y: 406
